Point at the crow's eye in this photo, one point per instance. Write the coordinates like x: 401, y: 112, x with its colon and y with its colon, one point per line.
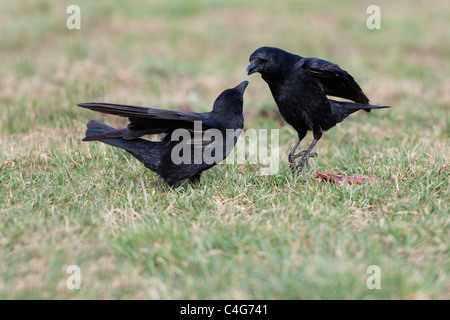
x: 259, y: 61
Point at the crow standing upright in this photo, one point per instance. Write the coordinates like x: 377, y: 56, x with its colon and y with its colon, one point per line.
x: 158, y: 156
x: 300, y: 87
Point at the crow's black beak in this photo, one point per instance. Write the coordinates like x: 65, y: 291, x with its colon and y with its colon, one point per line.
x: 252, y: 68
x: 242, y: 86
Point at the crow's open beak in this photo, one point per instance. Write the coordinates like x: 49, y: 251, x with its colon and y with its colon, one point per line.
x: 252, y: 68
x: 242, y: 86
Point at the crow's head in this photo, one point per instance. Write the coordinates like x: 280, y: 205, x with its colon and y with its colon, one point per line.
x: 230, y: 102
x: 267, y: 61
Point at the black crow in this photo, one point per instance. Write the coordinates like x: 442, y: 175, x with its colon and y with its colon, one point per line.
x: 300, y: 87
x: 193, y: 142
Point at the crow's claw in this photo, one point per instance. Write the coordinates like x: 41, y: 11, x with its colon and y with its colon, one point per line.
x: 305, y: 154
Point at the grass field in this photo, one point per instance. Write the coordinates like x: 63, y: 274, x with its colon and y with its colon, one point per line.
x: 240, y: 234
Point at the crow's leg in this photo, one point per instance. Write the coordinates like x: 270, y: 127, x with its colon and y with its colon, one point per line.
x: 292, y: 156
x: 306, y: 154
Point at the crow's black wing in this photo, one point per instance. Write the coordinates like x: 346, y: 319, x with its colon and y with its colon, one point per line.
x: 150, y: 120
x: 335, y: 81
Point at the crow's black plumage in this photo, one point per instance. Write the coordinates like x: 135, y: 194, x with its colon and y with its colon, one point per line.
x: 300, y: 87
x: 204, y: 131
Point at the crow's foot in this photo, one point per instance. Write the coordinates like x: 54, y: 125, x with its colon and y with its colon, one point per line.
x: 305, y: 154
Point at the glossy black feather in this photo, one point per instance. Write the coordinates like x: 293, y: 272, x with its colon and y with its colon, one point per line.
x: 150, y: 120
x: 335, y: 81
